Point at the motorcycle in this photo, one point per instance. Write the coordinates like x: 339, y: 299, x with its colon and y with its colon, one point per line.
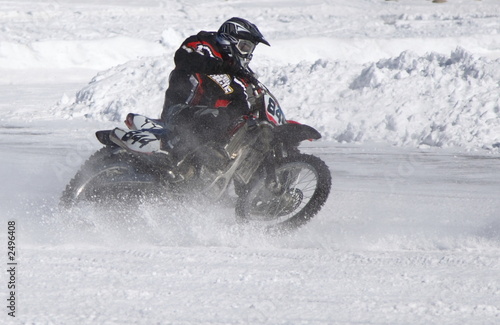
x: 277, y: 186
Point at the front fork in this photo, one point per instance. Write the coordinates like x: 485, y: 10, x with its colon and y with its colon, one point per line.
x: 280, y: 151
x: 272, y: 181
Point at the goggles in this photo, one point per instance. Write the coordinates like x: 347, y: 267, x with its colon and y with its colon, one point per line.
x: 245, y: 47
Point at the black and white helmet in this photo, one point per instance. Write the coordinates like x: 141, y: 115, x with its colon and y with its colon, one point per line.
x: 239, y: 37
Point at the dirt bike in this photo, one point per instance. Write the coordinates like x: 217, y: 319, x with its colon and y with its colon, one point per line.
x: 277, y: 186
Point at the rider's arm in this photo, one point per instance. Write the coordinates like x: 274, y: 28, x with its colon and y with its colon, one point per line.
x: 201, y: 56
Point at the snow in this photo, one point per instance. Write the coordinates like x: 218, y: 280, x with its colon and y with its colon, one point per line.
x: 405, y: 94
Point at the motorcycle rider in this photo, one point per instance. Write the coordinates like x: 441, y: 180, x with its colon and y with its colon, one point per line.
x: 209, y: 88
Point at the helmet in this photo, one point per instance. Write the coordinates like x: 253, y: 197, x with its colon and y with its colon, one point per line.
x: 238, y: 38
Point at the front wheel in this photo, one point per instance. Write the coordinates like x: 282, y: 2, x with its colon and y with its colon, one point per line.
x: 304, y: 186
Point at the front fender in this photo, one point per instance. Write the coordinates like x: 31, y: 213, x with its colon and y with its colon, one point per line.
x: 295, y: 133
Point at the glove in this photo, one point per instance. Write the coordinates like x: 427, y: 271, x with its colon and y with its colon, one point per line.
x: 247, y: 75
x: 234, y: 68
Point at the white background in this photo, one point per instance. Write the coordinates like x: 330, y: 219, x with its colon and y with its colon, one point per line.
x: 404, y: 92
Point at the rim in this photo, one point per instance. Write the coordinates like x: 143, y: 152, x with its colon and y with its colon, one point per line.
x: 299, y: 182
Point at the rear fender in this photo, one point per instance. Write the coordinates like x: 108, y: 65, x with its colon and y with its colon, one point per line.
x: 103, y: 137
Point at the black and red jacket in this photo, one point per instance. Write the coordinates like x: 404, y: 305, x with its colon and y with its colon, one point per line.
x: 203, y: 76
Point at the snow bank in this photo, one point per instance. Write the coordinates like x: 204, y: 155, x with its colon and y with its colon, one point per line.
x: 434, y: 100
x: 137, y: 86
x: 408, y: 100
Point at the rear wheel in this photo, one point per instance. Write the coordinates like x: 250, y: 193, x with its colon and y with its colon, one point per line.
x: 107, y: 176
x: 304, y: 186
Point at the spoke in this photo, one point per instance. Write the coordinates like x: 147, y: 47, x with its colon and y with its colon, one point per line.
x: 299, y: 182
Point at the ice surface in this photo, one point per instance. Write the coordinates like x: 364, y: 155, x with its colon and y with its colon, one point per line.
x: 404, y: 92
